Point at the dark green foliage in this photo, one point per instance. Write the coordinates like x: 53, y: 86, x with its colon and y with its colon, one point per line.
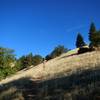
x: 94, y: 36
x: 37, y: 59
x: 28, y: 60
x: 92, y: 31
x: 60, y: 49
x: 83, y: 50
x: 96, y: 39
x: 79, y: 41
x: 6, y: 58
x: 22, y: 62
x: 48, y: 57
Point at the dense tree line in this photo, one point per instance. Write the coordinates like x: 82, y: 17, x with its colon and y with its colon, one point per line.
x: 28, y: 60
x: 9, y: 64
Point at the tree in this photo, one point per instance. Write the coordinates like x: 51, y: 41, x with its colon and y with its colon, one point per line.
x: 37, y: 59
x: 25, y: 61
x: 96, y: 39
x: 58, y: 51
x: 1, y: 57
x: 48, y: 57
x: 94, y: 36
x: 92, y: 31
x: 79, y: 41
x: 6, y: 57
x: 29, y: 58
x: 21, y: 63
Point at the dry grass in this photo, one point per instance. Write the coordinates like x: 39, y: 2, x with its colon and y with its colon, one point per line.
x: 62, y: 64
x: 58, y: 67
x: 11, y: 94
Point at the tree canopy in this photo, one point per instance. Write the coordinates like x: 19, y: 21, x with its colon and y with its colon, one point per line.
x: 94, y: 36
x: 60, y: 49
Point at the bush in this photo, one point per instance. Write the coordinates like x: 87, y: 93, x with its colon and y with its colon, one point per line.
x: 83, y: 50
x: 48, y: 57
x: 7, y: 71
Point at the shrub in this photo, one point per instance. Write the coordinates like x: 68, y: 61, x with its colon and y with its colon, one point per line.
x: 48, y: 57
x: 83, y: 50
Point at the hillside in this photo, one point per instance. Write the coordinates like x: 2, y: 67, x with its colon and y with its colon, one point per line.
x: 66, y: 65
x: 63, y: 64
x: 37, y: 70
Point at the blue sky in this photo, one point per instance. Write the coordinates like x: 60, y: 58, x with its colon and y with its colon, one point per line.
x: 38, y: 26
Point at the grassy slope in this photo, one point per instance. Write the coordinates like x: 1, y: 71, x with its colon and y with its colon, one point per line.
x: 63, y: 65
x: 65, y: 78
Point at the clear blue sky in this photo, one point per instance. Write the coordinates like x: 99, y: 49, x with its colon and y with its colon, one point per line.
x: 38, y: 26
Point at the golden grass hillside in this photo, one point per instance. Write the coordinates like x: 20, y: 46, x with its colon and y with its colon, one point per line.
x: 60, y: 66
x: 67, y: 77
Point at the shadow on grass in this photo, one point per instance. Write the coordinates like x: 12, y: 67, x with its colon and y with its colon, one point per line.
x: 82, y: 85
x: 25, y: 87
x: 68, y: 56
